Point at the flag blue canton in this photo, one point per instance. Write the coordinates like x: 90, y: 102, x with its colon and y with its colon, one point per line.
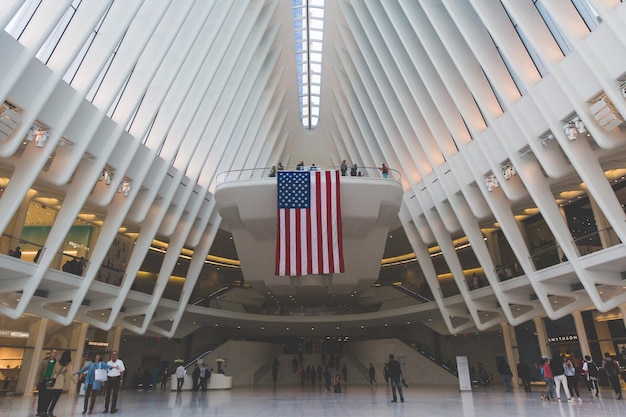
x: 294, y: 190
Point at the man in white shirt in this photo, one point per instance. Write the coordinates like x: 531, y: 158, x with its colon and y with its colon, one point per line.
x: 180, y: 377
x: 115, y: 381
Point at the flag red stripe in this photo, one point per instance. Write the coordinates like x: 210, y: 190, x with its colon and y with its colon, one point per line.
x: 329, y: 220
x: 338, y: 225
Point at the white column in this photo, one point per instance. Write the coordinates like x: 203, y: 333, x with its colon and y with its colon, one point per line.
x: 32, y: 358
x: 582, y: 333
x: 542, y: 336
x: 114, y: 338
x: 78, y: 339
x: 508, y: 336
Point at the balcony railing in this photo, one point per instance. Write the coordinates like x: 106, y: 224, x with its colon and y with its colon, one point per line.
x: 32, y: 252
x: 508, y: 271
x: 546, y: 256
x: 596, y: 241
x: 264, y: 172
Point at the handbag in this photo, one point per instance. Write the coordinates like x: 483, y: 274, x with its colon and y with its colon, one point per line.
x: 101, y: 374
x: 50, y: 382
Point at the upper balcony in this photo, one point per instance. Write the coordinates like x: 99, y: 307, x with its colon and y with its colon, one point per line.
x: 247, y: 202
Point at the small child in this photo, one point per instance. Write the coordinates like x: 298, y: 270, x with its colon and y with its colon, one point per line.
x: 337, y: 386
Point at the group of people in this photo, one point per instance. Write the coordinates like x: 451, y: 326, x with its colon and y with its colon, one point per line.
x: 53, y: 375
x: 200, y: 377
x: 16, y: 253
x: 354, y: 170
x: 74, y: 266
x: 562, y: 372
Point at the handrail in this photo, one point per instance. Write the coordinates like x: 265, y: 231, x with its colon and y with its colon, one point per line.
x: 584, y: 241
x: 264, y: 172
x: 442, y: 362
x: 259, y: 373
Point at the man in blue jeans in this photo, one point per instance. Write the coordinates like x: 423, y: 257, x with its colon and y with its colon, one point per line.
x: 395, y: 374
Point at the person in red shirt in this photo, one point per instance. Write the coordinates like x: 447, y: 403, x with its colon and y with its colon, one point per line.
x: 546, y: 373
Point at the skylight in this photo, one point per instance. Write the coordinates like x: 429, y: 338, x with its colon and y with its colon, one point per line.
x: 308, y: 25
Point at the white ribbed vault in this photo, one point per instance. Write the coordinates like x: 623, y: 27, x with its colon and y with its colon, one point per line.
x: 473, y: 102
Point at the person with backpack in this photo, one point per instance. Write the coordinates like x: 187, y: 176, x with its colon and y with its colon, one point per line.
x: 590, y: 371
x: 611, y: 367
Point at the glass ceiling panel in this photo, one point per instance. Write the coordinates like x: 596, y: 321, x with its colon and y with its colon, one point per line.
x: 308, y: 25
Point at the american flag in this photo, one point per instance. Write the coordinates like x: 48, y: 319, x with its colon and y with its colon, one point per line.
x: 309, y: 223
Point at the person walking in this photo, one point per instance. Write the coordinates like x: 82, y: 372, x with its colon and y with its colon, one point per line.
x: 572, y: 378
x: 372, y: 373
x: 59, y: 374
x: 591, y: 372
x: 164, y: 375
x: 611, y: 367
x: 92, y: 384
x: 386, y: 373
x: 294, y: 364
x: 46, y: 369
x: 337, y: 384
x: 195, y: 376
x: 507, y: 376
x: 328, y: 374
x: 523, y: 371
x: 114, y: 382
x: 275, y: 370
x: 203, y: 384
x: 395, y: 375
x: 560, y: 380
x: 546, y: 374
x: 180, y: 377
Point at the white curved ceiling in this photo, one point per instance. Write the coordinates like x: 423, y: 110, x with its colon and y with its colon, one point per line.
x: 454, y: 94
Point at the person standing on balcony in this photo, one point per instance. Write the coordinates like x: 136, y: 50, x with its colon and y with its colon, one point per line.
x: 344, y: 168
x: 353, y: 170
x: 384, y: 170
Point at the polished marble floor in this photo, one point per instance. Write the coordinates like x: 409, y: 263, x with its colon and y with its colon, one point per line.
x: 361, y: 401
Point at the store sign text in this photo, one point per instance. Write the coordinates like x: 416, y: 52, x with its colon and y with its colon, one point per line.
x: 14, y: 333
x: 569, y: 338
